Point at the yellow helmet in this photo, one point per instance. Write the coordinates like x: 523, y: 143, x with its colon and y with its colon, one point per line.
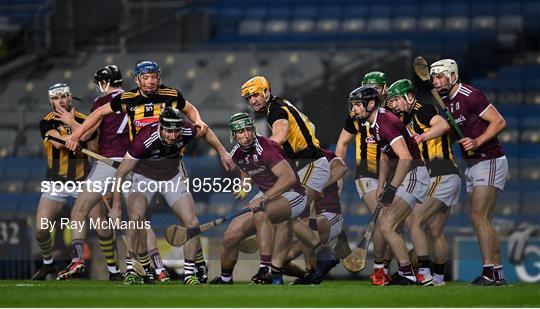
x: 257, y: 84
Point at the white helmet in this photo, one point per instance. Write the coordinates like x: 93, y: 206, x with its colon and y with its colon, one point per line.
x: 446, y: 67
x: 58, y: 90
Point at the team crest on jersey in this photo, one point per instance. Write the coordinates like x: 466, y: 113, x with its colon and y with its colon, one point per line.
x: 255, y: 158
x: 370, y: 140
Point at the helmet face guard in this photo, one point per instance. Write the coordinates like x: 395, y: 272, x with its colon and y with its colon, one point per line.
x: 363, y: 95
x: 402, y: 88
x: 58, y: 91
x: 170, y: 119
x: 445, y: 67
x: 240, y: 121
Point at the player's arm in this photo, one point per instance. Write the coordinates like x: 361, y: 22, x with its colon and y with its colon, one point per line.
x: 338, y: 169
x: 384, y: 171
x: 438, y: 126
x: 496, y: 125
x: 128, y: 164
x: 286, y: 178
x: 280, y: 129
x: 193, y: 114
x: 56, y: 134
x: 404, y: 163
x: 94, y: 118
x: 212, y: 140
x: 343, y: 141
x: 47, y: 128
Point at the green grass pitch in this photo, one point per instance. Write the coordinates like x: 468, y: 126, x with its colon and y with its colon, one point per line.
x: 329, y: 294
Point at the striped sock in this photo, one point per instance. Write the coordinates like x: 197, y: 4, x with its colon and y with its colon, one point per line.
x: 266, y: 261
x: 77, y: 249
x: 487, y: 271
x: 108, y: 246
x: 498, y: 273
x: 199, y: 259
x: 144, y: 260
x: 45, y: 247
x: 156, y: 259
x: 189, y: 268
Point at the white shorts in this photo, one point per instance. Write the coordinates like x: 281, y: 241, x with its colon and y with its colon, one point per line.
x: 336, y: 221
x: 492, y: 172
x: 172, y: 189
x: 445, y: 188
x: 365, y: 185
x: 60, y: 196
x: 414, y: 187
x: 315, y: 175
x: 296, y: 200
x: 101, y: 172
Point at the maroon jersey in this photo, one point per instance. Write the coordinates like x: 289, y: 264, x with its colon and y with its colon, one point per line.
x: 466, y: 106
x: 113, y: 131
x: 259, y: 161
x: 157, y: 161
x: 329, y: 198
x: 387, y: 129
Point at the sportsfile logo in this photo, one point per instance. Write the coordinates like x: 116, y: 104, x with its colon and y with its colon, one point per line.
x: 113, y: 184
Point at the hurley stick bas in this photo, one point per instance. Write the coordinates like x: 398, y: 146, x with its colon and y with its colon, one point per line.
x: 177, y: 235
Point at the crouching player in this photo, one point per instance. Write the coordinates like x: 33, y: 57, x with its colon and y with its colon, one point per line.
x: 280, y: 189
x: 329, y: 222
x: 154, y: 155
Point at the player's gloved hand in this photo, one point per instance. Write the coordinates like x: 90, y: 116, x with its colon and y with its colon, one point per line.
x: 388, y: 194
x: 240, y: 195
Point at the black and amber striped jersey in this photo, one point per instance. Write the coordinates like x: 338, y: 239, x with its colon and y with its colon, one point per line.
x: 143, y: 110
x: 301, y: 146
x: 62, y: 164
x: 367, y: 152
x: 437, y: 152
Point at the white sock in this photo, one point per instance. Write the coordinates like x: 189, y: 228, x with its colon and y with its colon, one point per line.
x: 48, y: 262
x: 159, y: 271
x: 112, y: 269
x: 226, y: 279
x: 438, y: 278
x: 378, y: 266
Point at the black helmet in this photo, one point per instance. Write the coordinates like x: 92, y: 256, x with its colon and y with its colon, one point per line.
x: 170, y: 118
x: 364, y: 94
x: 111, y: 74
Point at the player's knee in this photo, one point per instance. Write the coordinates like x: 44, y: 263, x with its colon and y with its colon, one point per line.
x: 231, y: 237
x: 40, y: 232
x: 191, y: 222
x: 478, y: 218
x: 386, y: 227
x: 260, y: 217
x: 136, y: 216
